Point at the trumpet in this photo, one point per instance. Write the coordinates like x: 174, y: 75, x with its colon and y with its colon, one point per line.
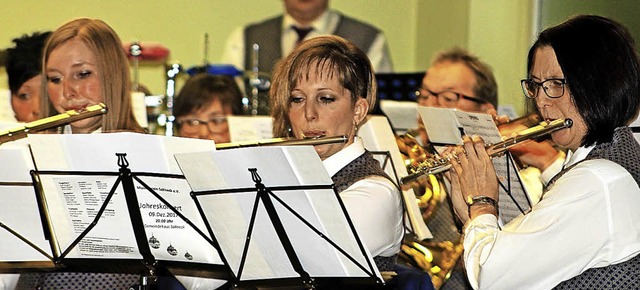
x: 52, y: 122
x: 441, y: 164
x: 320, y: 140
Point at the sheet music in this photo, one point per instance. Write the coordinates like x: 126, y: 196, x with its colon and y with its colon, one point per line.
x: 19, y: 209
x: 447, y: 126
x: 74, y: 199
x: 249, y: 128
x: 229, y: 213
x: 403, y: 114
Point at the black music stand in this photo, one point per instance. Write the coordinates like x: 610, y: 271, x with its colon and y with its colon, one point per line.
x: 25, y: 247
x: 275, y: 225
x: 386, y: 160
x: 147, y: 265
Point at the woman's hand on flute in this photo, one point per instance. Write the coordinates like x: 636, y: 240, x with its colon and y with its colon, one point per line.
x: 473, y: 175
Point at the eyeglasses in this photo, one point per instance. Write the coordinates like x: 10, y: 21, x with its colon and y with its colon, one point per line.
x: 447, y: 99
x: 553, y: 88
x: 215, y: 124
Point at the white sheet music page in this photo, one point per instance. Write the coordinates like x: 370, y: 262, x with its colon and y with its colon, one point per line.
x: 74, y: 196
x: 249, y: 128
x: 403, y: 114
x: 377, y: 136
x: 447, y: 126
x: 230, y: 213
x: 19, y: 209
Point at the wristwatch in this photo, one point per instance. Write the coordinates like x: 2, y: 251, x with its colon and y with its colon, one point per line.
x: 471, y: 200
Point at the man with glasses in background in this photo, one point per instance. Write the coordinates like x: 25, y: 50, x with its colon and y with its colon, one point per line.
x: 457, y: 79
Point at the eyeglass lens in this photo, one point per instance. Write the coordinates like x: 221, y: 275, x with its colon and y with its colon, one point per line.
x: 214, y: 125
x: 554, y: 88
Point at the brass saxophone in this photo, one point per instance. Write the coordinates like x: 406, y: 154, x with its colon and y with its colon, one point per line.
x: 51, y: 122
x: 437, y: 258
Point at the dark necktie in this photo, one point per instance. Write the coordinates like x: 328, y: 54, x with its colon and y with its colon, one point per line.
x: 302, y: 32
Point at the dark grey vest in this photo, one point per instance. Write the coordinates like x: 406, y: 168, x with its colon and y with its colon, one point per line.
x: 267, y: 35
x: 625, y: 151
x: 360, y: 168
x: 77, y: 281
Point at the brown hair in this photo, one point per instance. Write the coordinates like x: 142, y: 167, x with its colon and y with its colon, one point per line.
x: 350, y: 64
x: 486, y: 87
x: 112, y: 62
x: 201, y: 89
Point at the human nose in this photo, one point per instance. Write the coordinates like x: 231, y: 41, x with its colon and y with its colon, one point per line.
x: 68, y: 89
x: 310, y: 111
x: 204, y: 132
x: 541, y: 98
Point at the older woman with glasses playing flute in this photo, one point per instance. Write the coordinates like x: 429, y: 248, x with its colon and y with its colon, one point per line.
x: 585, y: 231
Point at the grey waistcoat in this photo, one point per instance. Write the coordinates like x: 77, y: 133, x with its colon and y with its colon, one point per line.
x: 625, y: 151
x: 360, y: 168
x: 267, y: 35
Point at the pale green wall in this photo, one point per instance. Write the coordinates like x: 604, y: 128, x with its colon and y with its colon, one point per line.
x: 500, y: 33
x: 624, y: 11
x: 442, y: 25
x: 181, y: 25
x: 496, y: 30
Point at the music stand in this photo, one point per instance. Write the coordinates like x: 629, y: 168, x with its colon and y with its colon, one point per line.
x: 278, y: 218
x: 85, y: 210
x: 24, y: 245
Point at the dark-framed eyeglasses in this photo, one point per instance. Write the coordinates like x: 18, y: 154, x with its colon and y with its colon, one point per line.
x: 447, y: 99
x: 215, y: 124
x: 553, y: 88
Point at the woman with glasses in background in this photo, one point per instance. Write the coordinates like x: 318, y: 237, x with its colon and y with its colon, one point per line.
x: 585, y: 231
x: 202, y: 107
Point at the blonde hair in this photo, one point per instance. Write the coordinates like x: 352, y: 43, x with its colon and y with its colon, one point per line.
x: 112, y: 62
x: 348, y: 63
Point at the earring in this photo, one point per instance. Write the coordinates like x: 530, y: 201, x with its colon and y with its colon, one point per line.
x: 355, y: 128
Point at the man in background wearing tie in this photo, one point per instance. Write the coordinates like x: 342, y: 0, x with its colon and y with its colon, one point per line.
x: 301, y: 20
